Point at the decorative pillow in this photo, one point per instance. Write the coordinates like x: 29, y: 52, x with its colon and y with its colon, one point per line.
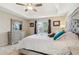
x: 62, y: 37
x: 58, y: 34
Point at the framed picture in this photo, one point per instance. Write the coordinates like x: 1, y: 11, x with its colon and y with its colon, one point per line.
x: 56, y: 23
x: 31, y: 24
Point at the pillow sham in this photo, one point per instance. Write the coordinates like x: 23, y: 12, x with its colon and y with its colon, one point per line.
x: 58, y: 34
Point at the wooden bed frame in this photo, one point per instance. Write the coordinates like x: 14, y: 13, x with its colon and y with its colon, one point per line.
x: 31, y: 52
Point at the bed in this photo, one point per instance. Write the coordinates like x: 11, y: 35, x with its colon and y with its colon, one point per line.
x: 42, y: 44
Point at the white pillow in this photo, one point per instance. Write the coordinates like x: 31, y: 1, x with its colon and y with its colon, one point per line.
x: 71, y: 39
x: 74, y: 50
x: 71, y: 36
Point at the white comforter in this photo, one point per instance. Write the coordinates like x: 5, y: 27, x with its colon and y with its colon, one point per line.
x: 43, y: 43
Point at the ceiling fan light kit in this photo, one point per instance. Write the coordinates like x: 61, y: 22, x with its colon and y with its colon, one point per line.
x: 29, y: 7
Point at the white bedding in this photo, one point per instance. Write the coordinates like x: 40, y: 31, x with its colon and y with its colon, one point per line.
x: 43, y: 43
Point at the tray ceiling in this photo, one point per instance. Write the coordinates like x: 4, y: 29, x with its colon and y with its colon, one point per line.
x: 46, y: 10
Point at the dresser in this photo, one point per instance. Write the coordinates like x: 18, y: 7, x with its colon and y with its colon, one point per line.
x: 15, y: 37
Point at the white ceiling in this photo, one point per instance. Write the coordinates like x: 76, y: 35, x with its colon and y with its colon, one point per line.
x: 47, y: 10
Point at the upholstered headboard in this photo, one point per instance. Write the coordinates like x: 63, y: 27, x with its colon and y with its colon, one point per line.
x: 73, y: 22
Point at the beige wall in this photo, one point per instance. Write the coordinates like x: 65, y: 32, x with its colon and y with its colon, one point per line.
x: 53, y: 28
x: 5, y: 20
x: 30, y: 30
x: 62, y: 23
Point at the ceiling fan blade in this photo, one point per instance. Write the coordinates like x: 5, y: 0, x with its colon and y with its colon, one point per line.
x: 38, y: 5
x: 20, y: 4
x: 26, y: 9
x: 35, y: 10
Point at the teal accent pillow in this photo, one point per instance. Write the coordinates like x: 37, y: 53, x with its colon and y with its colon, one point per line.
x: 58, y: 34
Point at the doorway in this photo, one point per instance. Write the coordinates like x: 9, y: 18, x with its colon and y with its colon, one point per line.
x: 42, y: 26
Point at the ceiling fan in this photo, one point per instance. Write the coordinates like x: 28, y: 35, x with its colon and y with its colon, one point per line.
x: 30, y: 6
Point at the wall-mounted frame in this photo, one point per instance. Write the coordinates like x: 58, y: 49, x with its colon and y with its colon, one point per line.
x: 56, y: 23
x: 31, y: 24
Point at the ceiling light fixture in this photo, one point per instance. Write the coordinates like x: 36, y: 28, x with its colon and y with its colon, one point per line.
x: 30, y: 6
